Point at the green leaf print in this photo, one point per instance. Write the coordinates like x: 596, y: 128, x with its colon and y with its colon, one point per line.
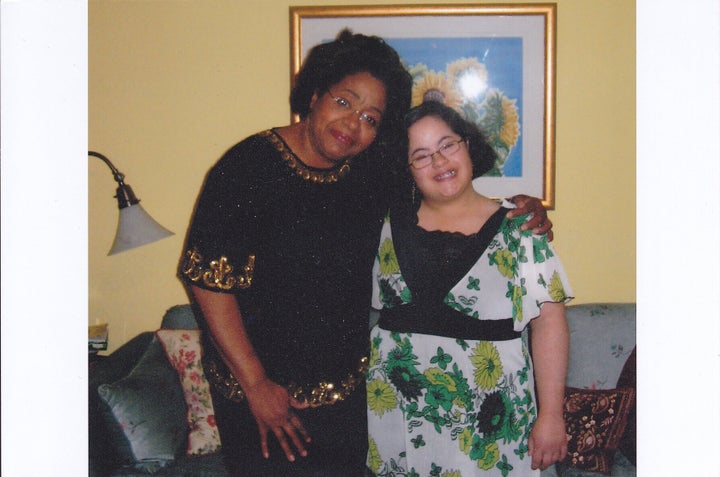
x: 441, y: 359
x: 509, y: 226
x: 504, y: 466
x: 406, y: 295
x: 522, y: 256
x: 521, y: 451
x: 462, y: 343
x: 473, y: 283
x: 523, y: 375
x: 464, y: 397
x: 430, y: 413
x: 513, y: 243
x: 418, y: 441
x: 541, y: 249
x: 515, y: 293
x: 439, y: 396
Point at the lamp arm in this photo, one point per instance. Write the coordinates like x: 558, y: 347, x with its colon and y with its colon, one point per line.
x: 124, y: 193
x: 119, y: 176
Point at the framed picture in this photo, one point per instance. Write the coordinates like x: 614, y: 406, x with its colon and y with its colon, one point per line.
x: 495, y: 64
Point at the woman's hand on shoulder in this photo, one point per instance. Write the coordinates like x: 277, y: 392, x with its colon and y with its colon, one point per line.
x: 272, y: 406
x: 539, y: 222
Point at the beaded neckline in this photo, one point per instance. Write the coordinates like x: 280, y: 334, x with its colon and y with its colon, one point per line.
x: 321, y: 176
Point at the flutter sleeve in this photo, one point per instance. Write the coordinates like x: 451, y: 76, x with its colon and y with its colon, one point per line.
x: 541, y: 279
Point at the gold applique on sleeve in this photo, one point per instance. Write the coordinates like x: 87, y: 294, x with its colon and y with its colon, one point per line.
x: 217, y: 273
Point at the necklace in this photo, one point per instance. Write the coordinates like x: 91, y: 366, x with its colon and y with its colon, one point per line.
x: 300, y: 169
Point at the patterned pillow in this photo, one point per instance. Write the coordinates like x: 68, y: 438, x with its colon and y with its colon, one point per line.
x: 184, y: 351
x: 628, y: 379
x: 595, y: 420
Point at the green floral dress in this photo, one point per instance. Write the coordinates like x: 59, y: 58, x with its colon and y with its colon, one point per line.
x: 442, y: 402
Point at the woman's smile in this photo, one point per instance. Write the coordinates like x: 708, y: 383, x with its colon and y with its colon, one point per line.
x: 342, y: 138
x: 446, y: 175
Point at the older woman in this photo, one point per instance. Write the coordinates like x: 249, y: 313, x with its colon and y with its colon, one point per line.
x: 451, y: 384
x: 277, y: 259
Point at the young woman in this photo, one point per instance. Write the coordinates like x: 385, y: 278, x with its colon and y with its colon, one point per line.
x: 451, y: 383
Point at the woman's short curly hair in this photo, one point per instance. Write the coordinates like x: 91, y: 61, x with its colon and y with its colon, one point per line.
x: 483, y: 156
x: 328, y: 63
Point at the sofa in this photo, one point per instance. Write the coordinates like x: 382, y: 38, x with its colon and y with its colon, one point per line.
x: 150, y: 412
x: 601, y: 378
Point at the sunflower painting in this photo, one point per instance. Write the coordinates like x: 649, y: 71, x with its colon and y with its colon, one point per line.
x: 495, y: 64
x: 484, y: 85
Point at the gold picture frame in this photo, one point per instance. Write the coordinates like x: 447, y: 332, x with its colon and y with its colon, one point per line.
x: 514, y: 44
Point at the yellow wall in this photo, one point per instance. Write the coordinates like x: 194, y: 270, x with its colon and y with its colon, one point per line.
x: 173, y: 84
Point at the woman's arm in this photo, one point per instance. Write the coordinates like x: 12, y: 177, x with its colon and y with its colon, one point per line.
x: 270, y: 403
x: 539, y: 223
x: 550, y: 345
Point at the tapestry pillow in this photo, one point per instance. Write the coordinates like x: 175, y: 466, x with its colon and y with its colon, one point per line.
x: 184, y: 351
x: 595, y: 420
x: 148, y: 406
x: 627, y: 379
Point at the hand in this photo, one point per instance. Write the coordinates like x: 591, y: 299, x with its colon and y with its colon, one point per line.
x: 272, y: 406
x: 548, y: 442
x: 539, y: 222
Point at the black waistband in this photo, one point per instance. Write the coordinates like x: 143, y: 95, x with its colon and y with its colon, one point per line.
x: 444, y: 321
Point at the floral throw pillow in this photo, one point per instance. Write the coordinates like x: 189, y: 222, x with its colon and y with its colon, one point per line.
x: 184, y: 351
x: 595, y: 420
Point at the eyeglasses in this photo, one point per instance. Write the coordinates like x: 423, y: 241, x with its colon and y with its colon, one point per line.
x: 446, y: 150
x: 371, y: 119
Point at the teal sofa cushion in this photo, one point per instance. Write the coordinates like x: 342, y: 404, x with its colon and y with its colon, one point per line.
x: 149, y: 407
x: 602, y: 336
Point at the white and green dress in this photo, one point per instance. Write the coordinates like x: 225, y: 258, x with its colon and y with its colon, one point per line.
x: 450, y: 382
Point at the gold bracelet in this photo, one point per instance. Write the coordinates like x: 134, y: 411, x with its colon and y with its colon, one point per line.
x: 324, y: 394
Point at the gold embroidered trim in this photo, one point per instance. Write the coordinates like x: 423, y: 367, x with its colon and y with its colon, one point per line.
x: 219, y: 273
x: 301, y: 169
x: 324, y: 394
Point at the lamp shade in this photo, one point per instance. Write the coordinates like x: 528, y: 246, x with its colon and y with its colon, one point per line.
x: 136, y: 228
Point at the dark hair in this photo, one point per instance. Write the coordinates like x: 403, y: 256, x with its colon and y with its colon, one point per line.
x: 482, y: 155
x: 328, y: 63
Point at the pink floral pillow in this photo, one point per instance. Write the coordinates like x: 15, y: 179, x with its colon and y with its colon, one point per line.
x: 184, y: 352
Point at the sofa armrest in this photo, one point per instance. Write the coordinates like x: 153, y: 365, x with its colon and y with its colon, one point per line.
x: 108, y: 369
x: 602, y: 336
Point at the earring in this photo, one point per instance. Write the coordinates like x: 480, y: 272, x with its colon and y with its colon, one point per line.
x: 414, y: 188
